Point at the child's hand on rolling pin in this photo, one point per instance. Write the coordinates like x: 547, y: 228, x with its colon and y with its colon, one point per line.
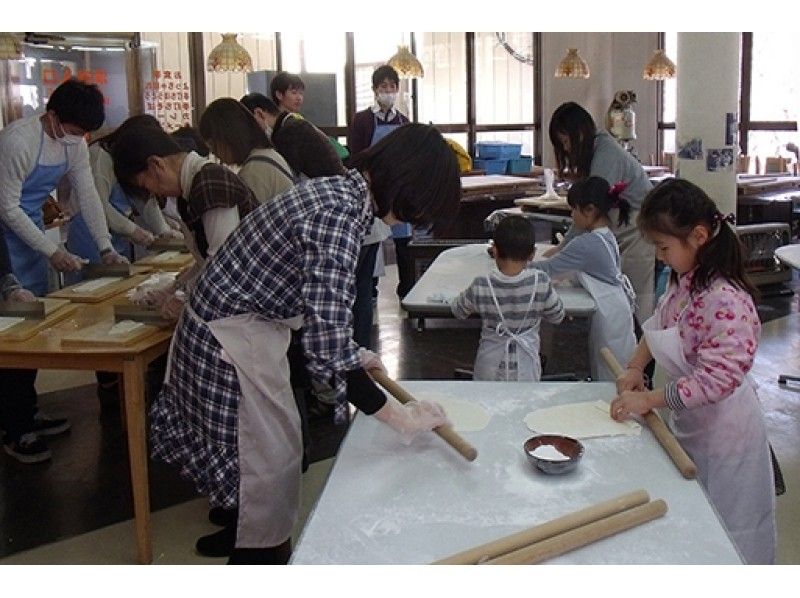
x: 631, y: 379
x: 412, y: 418
x: 630, y: 403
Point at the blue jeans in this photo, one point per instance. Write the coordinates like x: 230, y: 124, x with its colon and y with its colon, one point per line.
x: 362, y: 306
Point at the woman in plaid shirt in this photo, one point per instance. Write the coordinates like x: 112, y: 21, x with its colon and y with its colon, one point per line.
x: 226, y: 415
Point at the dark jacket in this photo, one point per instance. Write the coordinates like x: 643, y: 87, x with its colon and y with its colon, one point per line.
x: 359, y: 136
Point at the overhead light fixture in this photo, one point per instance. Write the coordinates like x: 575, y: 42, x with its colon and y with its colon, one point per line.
x: 10, y: 48
x: 659, y: 68
x: 572, y: 66
x: 229, y: 56
x: 406, y: 64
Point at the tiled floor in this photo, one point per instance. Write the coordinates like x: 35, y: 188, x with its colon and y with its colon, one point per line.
x: 76, y: 509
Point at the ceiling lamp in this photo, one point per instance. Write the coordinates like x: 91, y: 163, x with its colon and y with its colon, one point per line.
x: 572, y: 66
x: 10, y: 48
x: 406, y: 64
x: 659, y: 68
x: 229, y: 56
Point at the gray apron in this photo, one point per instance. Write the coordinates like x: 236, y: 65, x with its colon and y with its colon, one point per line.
x: 270, y: 443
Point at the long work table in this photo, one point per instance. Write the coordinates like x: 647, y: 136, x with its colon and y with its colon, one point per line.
x: 454, y: 269
x: 45, y: 350
x: 386, y: 502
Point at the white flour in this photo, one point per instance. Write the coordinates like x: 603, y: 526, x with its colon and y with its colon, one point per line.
x: 549, y: 452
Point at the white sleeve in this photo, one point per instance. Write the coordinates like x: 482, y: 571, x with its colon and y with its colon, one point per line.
x: 104, y: 181
x: 152, y: 218
x: 80, y: 177
x: 218, y: 224
x: 16, y: 163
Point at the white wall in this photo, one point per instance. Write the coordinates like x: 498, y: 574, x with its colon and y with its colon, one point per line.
x: 616, y: 61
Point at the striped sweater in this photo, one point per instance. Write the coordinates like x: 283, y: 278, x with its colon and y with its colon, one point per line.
x: 513, y: 295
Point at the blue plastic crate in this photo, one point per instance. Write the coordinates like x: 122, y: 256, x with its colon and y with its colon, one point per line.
x: 498, y: 150
x: 490, y: 166
x: 521, y: 165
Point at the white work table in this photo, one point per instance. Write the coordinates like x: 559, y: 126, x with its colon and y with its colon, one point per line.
x: 389, y: 503
x: 454, y: 270
x: 789, y: 255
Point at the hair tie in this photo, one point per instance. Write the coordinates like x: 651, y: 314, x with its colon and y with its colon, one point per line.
x: 730, y: 218
x: 615, y: 191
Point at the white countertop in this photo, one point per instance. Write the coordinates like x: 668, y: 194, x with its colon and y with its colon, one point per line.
x: 454, y: 270
x: 389, y: 503
x: 789, y: 255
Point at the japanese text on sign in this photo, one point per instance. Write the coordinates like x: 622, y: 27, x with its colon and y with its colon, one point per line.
x: 167, y: 97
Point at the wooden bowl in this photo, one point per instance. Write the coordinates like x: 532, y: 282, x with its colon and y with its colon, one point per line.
x: 571, y: 449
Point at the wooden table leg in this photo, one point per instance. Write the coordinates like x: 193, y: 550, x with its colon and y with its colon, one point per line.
x: 133, y: 376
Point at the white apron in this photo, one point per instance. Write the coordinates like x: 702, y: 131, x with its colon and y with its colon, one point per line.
x: 612, y: 322
x: 728, y: 443
x: 269, y: 438
x: 504, y: 355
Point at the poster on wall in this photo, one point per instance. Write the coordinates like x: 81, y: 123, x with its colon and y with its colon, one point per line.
x: 731, y: 128
x: 168, y: 98
x: 691, y: 150
x: 720, y: 160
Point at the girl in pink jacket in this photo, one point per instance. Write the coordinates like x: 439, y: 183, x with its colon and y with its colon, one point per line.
x: 704, y: 336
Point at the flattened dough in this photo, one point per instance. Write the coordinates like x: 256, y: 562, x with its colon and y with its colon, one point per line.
x: 464, y: 415
x: 589, y: 419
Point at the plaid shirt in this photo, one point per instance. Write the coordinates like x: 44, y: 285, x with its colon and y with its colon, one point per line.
x: 295, y: 255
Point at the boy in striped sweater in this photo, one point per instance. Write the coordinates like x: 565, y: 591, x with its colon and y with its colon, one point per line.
x: 511, y: 300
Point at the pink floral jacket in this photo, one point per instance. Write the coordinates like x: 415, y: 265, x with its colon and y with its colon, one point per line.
x: 719, y: 331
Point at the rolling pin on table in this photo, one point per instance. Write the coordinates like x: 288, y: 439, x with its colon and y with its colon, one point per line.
x: 659, y: 429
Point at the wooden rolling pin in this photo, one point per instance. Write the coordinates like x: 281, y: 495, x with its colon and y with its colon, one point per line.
x: 464, y: 448
x: 581, y: 536
x: 659, y: 429
x: 496, y: 548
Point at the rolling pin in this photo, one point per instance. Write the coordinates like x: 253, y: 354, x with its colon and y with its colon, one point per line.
x: 659, y: 429
x: 496, y: 548
x: 581, y: 536
x: 464, y: 448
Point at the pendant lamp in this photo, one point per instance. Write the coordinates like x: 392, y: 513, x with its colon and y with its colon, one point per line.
x: 572, y: 66
x: 10, y: 48
x: 659, y: 68
x: 229, y: 56
x: 406, y: 64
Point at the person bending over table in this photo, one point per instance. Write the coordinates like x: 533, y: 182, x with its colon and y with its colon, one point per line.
x: 35, y: 153
x: 211, y: 199
x: 582, y: 150
x: 226, y: 415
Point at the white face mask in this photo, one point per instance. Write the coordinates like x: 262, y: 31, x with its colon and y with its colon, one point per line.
x: 65, y: 138
x: 268, y: 131
x: 387, y: 100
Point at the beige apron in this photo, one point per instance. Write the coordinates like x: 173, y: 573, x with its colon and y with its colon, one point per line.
x: 638, y: 263
x: 270, y: 442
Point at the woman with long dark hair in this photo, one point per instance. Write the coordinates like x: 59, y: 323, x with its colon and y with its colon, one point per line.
x: 582, y: 150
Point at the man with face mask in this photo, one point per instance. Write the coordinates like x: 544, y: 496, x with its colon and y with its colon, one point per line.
x: 370, y: 126
x: 35, y: 153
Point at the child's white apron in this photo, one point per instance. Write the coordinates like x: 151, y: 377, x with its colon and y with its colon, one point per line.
x: 728, y: 443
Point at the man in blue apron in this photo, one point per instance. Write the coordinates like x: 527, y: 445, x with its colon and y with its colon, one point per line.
x: 370, y: 126
x: 35, y: 153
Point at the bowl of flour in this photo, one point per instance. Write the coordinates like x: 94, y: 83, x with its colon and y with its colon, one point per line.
x: 552, y: 453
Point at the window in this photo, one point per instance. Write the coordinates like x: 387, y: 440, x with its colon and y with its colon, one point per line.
x: 322, y: 52
x: 443, y: 89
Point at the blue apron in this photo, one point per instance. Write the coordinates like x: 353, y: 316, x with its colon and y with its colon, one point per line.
x: 80, y: 240
x: 382, y: 129
x: 29, y: 265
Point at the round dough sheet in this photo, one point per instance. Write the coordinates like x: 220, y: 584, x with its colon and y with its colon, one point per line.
x: 464, y: 415
x: 579, y: 420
